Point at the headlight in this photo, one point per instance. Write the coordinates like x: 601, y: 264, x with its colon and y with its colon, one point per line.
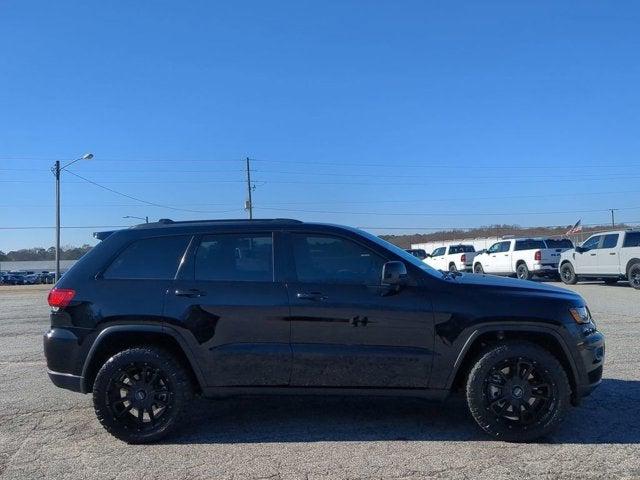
x: 580, y: 314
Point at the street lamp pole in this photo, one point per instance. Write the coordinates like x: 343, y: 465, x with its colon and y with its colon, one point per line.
x: 56, y: 172
x: 56, y: 169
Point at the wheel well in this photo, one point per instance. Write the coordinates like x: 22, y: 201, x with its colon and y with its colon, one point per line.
x: 520, y: 262
x: 564, y: 262
x: 544, y: 340
x: 630, y: 264
x: 119, y: 341
x: 452, y: 263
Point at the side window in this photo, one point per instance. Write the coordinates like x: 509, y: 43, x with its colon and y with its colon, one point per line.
x: 328, y: 259
x: 591, y: 243
x: 438, y: 252
x: 151, y: 258
x: 632, y: 239
x: 493, y: 248
x: 235, y: 258
x: 504, y: 247
x: 610, y: 241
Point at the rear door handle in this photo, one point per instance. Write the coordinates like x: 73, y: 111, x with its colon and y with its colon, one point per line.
x: 310, y: 296
x: 612, y: 253
x: 191, y: 293
x: 592, y: 254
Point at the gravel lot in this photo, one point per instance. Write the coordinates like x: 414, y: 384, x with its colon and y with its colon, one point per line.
x: 46, y: 432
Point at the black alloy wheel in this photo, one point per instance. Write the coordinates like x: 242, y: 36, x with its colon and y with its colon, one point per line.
x: 140, y: 393
x: 567, y: 274
x: 518, y: 391
x: 634, y: 276
x: 477, y: 268
x: 522, y: 272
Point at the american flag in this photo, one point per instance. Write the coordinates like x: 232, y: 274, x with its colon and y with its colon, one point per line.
x: 576, y: 228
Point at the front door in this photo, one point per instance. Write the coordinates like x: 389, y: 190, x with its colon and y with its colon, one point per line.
x: 586, y: 262
x: 229, y: 304
x: 346, y: 329
x: 608, y: 260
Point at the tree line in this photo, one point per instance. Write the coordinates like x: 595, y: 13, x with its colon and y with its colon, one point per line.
x: 39, y: 253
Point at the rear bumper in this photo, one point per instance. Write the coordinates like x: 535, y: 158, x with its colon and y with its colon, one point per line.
x: 68, y: 381
x: 544, y: 269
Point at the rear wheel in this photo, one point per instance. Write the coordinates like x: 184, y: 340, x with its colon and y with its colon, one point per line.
x: 477, y: 268
x: 140, y: 394
x: 518, y: 392
x: 522, y: 272
x: 452, y: 267
x: 568, y: 274
x: 634, y: 276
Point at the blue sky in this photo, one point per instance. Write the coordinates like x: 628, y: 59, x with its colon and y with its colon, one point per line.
x: 395, y: 116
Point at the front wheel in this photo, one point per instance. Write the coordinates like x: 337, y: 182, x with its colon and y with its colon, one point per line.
x: 568, y: 274
x: 477, y: 268
x: 634, y: 276
x: 139, y: 394
x: 518, y: 392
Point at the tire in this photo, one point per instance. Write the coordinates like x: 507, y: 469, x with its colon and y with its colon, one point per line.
x: 477, y: 268
x: 541, y: 382
x: 568, y: 274
x: 634, y: 276
x: 452, y: 267
x: 166, y: 391
x: 610, y: 281
x: 522, y: 272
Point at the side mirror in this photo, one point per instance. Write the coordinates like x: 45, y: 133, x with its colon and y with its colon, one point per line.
x: 394, y: 273
x: 580, y: 249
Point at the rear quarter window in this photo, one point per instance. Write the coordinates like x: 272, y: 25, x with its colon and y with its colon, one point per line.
x: 155, y: 258
x: 632, y: 239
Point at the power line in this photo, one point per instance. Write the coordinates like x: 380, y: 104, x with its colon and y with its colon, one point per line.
x: 169, y: 207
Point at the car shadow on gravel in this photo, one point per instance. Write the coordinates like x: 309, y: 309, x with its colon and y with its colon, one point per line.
x: 609, y: 415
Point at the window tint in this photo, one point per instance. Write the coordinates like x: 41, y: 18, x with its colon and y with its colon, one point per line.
x: 592, y: 243
x: 235, y: 257
x: 529, y: 244
x: 151, y: 258
x: 493, y: 248
x: 558, y: 243
x: 632, y: 239
x: 327, y: 259
x: 504, y: 247
x: 418, y: 253
x: 461, y: 249
x: 439, y: 251
x: 610, y: 241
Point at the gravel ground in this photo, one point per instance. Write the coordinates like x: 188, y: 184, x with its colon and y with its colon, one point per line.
x: 46, y: 432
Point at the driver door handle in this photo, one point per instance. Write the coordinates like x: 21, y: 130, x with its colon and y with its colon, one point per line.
x: 190, y: 293
x: 310, y: 296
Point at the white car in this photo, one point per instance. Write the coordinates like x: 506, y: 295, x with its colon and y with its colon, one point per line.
x: 452, y: 258
x: 522, y: 257
x: 610, y: 256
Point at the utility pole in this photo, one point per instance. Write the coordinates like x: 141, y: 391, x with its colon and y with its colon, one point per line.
x: 56, y: 172
x: 249, y: 204
x: 613, y: 218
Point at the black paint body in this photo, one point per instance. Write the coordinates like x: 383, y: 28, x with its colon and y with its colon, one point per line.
x: 247, y: 337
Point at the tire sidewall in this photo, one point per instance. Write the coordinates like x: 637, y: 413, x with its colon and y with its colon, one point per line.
x: 178, y: 386
x: 487, y: 420
x: 572, y: 279
x: 634, y: 270
x: 522, y: 272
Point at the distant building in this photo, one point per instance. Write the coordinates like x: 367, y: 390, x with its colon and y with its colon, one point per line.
x: 36, y: 265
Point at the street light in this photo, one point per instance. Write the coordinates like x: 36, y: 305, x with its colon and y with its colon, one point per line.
x: 56, y: 169
x: 146, y: 219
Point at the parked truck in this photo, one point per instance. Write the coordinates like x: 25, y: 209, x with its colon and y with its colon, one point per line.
x: 522, y: 257
x: 609, y: 256
x: 452, y: 258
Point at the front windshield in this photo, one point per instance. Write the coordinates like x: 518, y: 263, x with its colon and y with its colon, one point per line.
x: 406, y: 256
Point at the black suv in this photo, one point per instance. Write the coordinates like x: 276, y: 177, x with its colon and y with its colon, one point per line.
x: 157, y: 313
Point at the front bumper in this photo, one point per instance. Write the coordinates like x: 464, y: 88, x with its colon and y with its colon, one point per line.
x: 68, y: 381
x: 590, y: 363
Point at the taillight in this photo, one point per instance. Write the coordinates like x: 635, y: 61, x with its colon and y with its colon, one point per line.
x: 463, y: 258
x: 60, y: 297
x: 538, y: 256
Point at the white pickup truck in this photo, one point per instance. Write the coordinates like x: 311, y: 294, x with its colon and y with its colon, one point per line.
x: 522, y: 257
x: 610, y: 256
x: 452, y: 258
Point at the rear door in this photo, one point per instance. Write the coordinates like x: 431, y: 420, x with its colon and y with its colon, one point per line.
x: 346, y: 329
x: 608, y: 261
x: 231, y: 304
